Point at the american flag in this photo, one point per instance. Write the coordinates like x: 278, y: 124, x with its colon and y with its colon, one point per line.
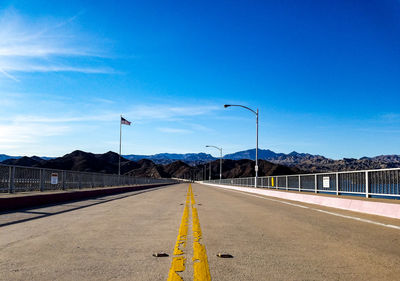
x: 125, y: 122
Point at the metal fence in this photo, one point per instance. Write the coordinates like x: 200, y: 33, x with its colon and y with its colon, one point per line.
x: 368, y: 183
x: 23, y: 179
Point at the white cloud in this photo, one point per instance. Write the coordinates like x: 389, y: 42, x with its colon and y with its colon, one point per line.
x: 52, y: 119
x: 201, y: 128
x: 28, y: 133
x: 174, y: 130
x: 10, y: 100
x: 104, y: 101
x: 150, y: 113
x: 40, y: 46
x: 167, y: 112
x: 33, y: 133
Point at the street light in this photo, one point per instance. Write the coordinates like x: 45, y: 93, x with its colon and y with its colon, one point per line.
x: 209, y: 176
x: 256, y: 113
x: 220, y: 161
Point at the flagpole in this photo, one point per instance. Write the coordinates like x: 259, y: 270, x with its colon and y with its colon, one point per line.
x: 120, y: 138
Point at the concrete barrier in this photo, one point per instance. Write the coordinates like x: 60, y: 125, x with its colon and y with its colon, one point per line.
x: 357, y: 205
x: 25, y: 201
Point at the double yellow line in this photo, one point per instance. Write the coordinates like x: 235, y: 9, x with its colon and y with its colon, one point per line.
x: 201, y: 271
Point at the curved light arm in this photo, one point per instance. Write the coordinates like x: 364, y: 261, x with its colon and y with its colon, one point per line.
x: 256, y: 113
x: 220, y: 149
x: 228, y: 105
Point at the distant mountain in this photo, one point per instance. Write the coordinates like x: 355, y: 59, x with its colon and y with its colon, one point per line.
x: 178, y: 169
x: 317, y: 163
x: 166, y: 158
x: 108, y: 163
x: 89, y: 162
x: 251, y: 154
x: 23, y: 161
x: 245, y: 168
x: 147, y: 168
x: 201, y: 158
x: 4, y: 157
x: 385, y: 158
x: 172, y: 164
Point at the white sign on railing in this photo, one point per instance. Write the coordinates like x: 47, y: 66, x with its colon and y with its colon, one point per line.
x: 54, y: 178
x: 325, y: 182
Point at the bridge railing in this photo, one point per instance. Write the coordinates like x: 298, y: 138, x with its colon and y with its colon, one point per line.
x: 24, y: 179
x: 368, y: 183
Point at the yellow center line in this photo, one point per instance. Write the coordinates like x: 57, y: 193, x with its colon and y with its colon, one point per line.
x: 201, y: 271
x: 178, y: 261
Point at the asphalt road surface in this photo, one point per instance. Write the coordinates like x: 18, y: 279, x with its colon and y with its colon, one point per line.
x: 114, y: 237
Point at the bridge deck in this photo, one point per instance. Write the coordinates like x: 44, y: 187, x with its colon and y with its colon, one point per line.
x: 114, y: 237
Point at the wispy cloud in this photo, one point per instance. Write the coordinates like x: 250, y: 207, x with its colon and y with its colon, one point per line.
x: 390, y: 117
x: 375, y: 130
x: 27, y: 133
x: 102, y: 100
x: 55, y: 119
x: 42, y: 45
x: 168, y: 112
x: 174, y: 130
x: 10, y: 100
x: 148, y: 113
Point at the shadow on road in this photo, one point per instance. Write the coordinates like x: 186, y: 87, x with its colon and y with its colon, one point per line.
x: 28, y: 214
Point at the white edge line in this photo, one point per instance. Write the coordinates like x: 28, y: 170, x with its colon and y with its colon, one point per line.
x: 318, y: 210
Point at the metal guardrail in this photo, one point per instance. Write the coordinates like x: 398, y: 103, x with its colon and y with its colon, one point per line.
x: 23, y: 179
x: 368, y: 183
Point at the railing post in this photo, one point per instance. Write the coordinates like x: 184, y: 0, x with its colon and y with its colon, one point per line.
x: 337, y: 183
x: 299, y: 183
x: 287, y: 183
x: 11, y: 177
x: 366, y: 185
x: 63, y: 179
x: 316, y: 183
x: 41, y: 180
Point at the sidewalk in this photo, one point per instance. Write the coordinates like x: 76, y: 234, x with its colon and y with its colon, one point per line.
x: 381, y: 207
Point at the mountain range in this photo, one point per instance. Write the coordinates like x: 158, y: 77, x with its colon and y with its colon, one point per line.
x: 317, y: 163
x: 302, y: 161
x: 166, y: 158
x: 108, y: 163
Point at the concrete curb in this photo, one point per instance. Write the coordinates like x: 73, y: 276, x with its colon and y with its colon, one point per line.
x: 368, y: 207
x: 31, y: 200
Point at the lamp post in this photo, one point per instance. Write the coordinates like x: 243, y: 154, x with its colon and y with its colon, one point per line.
x: 256, y: 113
x: 220, y: 160
x: 209, y: 176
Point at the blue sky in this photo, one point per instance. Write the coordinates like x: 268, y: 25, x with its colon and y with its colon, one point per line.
x: 324, y: 75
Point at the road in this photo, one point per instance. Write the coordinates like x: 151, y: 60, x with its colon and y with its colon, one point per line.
x: 114, y: 237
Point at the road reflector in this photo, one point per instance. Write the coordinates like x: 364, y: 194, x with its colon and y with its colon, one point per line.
x: 224, y: 256
x: 160, y: 255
